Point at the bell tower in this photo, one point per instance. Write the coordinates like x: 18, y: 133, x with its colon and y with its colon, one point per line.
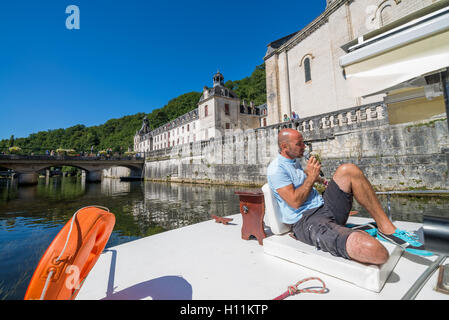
x: 218, y: 79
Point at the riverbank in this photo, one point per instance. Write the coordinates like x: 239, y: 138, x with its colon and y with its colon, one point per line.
x: 122, y: 173
x: 207, y: 182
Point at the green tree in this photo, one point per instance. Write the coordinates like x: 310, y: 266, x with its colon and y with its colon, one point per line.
x: 252, y: 88
x: 11, y: 141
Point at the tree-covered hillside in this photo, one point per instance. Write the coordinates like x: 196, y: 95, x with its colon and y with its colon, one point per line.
x: 252, y: 88
x: 118, y: 134
x: 174, y: 108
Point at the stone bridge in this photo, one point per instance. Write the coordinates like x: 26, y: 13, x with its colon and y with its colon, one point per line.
x: 28, y: 167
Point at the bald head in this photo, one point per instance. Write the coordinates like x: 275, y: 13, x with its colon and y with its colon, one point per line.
x: 291, y: 143
x: 287, y: 135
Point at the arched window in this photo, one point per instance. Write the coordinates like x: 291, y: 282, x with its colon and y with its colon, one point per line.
x: 307, y: 74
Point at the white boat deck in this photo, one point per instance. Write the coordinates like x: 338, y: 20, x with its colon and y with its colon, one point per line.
x: 210, y: 261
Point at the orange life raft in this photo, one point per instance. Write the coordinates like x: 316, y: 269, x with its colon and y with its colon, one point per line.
x: 72, y: 254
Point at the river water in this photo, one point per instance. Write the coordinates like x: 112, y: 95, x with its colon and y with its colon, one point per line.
x: 30, y: 217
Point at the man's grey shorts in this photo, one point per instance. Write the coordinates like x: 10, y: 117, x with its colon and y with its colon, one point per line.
x: 323, y: 227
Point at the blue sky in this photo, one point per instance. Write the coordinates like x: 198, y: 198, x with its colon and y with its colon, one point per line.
x: 128, y: 56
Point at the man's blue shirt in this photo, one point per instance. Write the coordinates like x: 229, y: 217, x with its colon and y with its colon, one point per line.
x: 282, y: 172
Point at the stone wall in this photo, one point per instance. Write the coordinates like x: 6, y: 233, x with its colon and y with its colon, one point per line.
x: 394, y: 157
x: 400, y: 157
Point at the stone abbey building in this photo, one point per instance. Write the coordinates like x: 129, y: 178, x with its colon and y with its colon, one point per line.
x: 219, y: 109
x: 360, y: 52
x: 359, y: 59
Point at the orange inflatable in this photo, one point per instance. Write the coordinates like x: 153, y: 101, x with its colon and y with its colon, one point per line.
x: 72, y: 254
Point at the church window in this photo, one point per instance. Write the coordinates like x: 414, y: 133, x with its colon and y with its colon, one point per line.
x: 205, y: 111
x: 228, y: 126
x: 188, y: 128
x: 227, y: 109
x: 264, y: 122
x: 307, y: 74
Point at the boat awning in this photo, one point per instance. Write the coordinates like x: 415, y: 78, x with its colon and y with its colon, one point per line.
x: 409, y: 51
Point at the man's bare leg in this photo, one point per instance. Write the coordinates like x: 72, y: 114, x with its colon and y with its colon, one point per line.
x: 351, y: 179
x: 361, y: 246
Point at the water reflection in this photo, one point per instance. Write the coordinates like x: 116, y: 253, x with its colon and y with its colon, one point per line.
x: 176, y: 205
x: 411, y: 208
x: 114, y: 187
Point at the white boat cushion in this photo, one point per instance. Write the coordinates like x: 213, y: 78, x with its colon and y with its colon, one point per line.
x: 272, y: 217
x: 371, y: 277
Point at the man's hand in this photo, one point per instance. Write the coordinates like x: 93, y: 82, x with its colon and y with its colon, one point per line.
x: 313, y: 170
x: 296, y: 197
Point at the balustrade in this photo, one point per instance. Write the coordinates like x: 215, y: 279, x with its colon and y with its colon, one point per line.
x: 318, y: 127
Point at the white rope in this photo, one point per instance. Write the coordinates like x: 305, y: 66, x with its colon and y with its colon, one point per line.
x: 50, y: 274
x: 71, y: 226
x: 46, y: 285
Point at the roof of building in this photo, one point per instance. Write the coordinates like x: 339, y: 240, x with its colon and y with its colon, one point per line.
x: 296, y: 37
x: 218, y: 89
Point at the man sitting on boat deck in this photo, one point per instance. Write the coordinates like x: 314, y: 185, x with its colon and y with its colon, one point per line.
x: 320, y: 220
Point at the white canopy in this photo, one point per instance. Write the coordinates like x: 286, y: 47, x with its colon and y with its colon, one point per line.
x: 409, y: 51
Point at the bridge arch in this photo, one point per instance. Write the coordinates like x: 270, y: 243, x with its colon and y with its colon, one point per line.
x: 28, y: 166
